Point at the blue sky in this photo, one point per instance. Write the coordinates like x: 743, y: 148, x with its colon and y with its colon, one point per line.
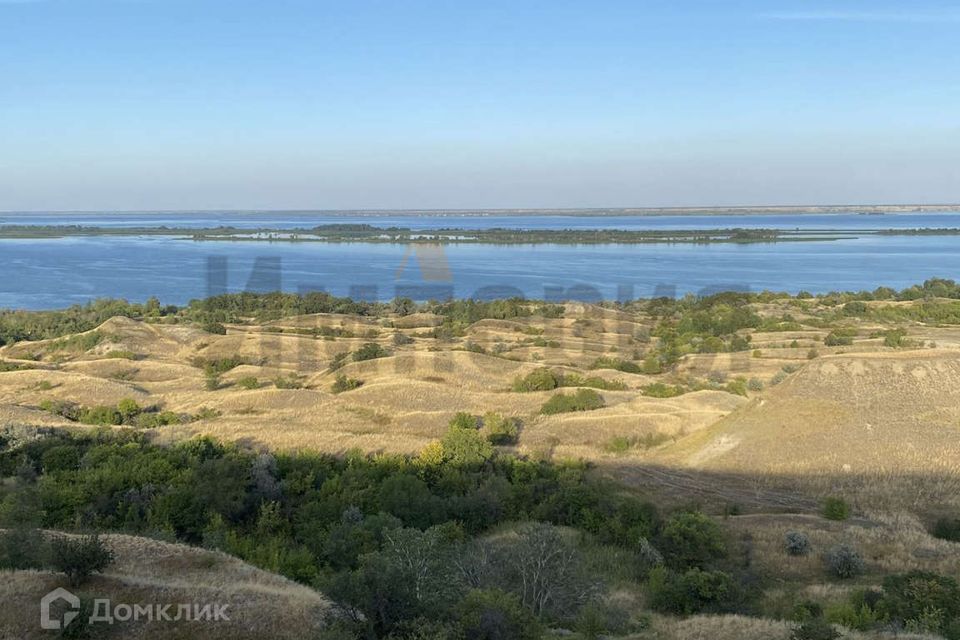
x: 283, y: 104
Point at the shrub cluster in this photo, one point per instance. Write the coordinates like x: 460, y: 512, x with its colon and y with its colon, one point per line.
x: 126, y: 412
x: 545, y: 379
x: 343, y: 383
x: 580, y: 400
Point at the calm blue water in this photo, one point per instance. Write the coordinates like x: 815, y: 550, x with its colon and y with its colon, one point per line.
x: 42, y: 274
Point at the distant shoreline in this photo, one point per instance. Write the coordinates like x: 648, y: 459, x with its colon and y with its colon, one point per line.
x: 873, y: 209
x: 367, y: 233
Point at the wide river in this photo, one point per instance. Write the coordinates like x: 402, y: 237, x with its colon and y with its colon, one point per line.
x: 54, y: 273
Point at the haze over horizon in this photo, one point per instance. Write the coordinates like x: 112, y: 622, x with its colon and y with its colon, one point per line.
x: 296, y: 105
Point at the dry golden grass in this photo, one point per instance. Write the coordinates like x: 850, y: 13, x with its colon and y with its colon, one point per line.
x: 883, y: 428
x: 146, y: 571
x: 876, y: 425
x: 732, y: 627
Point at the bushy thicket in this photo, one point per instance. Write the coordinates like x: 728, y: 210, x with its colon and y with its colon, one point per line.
x: 349, y: 525
x: 580, y: 400
x: 546, y: 379
x: 126, y: 412
x: 917, y: 602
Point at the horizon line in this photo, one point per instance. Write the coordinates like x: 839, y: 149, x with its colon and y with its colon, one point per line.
x: 414, y: 210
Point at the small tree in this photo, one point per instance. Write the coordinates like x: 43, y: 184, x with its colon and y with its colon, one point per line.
x: 128, y: 408
x: 81, y: 557
x: 693, y: 591
x: 844, y: 562
x: 343, y: 383
x: 835, y: 508
x: 248, y: 382
x: 465, y: 446
x: 796, y: 543
x: 370, y: 351
x: 691, y: 540
x: 22, y: 548
x: 464, y: 420
x: 500, y: 429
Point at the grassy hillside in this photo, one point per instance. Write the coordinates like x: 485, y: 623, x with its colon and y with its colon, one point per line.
x: 337, y: 426
x: 260, y: 604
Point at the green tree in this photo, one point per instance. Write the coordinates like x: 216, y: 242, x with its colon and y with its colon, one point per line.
x: 79, y: 558
x: 492, y: 614
x: 466, y: 447
x: 691, y: 539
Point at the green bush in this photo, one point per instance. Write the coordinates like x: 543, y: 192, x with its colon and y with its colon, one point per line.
x: 910, y: 596
x: 614, y: 363
x: 291, y: 381
x: 465, y: 446
x: 619, y: 445
x: 339, y: 360
x: 896, y: 339
x: 660, y: 390
x: 581, y: 400
x: 693, y: 591
x: 843, y: 562
x: 211, y: 381
x: 853, y: 616
x: 400, y: 339
x: 218, y: 366
x: 61, y: 458
x: 369, y: 351
x: 855, y: 308
x: 248, y: 382
x: 464, y: 420
x: 651, y: 365
x: 796, y: 543
x: 79, y: 558
x: 215, y: 328
x: 544, y: 379
x: 500, y: 429
x: 343, y: 383
x: 838, y: 338
x: 128, y: 408
x: 496, y: 615
x: 691, y: 539
x: 162, y: 419
x: 537, y: 380
x: 806, y: 610
x: 947, y: 529
x: 23, y: 548
x: 737, y: 387
x: 102, y: 415
x: 835, y: 508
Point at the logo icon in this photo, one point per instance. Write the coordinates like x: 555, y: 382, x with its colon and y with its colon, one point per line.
x: 46, y: 622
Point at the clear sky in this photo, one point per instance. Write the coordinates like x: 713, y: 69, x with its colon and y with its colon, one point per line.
x: 302, y: 104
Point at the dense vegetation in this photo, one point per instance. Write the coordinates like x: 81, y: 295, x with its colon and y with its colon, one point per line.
x: 466, y: 518
x: 458, y: 542
x: 692, y: 324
